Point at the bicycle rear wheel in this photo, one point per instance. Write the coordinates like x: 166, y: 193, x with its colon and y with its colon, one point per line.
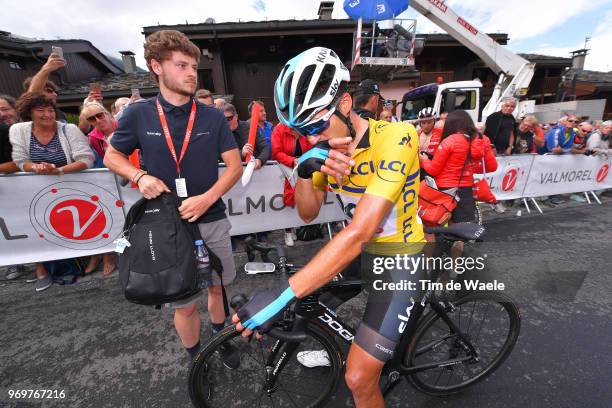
x: 491, y: 322
x: 212, y: 384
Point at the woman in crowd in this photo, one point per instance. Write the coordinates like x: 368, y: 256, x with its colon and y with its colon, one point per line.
x: 287, y: 147
x: 43, y: 145
x: 460, y: 154
x: 104, y: 125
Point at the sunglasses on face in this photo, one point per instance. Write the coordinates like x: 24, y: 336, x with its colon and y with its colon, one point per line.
x: 572, y: 121
x: 205, y: 96
x: 97, y: 116
x: 229, y: 118
x: 318, y: 125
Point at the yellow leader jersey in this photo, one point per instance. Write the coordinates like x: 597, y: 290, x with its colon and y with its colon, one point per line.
x: 386, y: 165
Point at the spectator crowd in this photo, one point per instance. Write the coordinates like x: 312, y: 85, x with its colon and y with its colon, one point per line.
x: 36, y: 137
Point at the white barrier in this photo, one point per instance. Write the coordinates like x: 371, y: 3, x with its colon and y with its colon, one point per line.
x: 526, y: 176
x: 552, y: 174
x: 55, y: 217
x: 511, y: 176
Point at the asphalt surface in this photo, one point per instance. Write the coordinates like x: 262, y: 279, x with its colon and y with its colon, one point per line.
x: 102, y: 351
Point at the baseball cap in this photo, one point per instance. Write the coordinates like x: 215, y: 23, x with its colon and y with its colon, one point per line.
x: 368, y: 87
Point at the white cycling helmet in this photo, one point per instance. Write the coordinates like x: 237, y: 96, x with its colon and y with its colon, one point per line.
x: 426, y: 114
x: 307, y: 84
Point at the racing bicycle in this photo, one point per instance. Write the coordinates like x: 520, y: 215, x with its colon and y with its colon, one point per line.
x: 449, y: 344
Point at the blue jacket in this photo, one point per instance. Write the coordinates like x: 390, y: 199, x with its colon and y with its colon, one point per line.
x: 560, y: 136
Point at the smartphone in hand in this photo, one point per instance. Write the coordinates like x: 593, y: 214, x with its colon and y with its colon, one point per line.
x: 95, y: 87
x: 57, y: 50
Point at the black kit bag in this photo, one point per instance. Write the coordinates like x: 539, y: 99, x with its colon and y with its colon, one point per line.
x: 159, y: 266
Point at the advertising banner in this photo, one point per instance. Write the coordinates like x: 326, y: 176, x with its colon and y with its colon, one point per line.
x: 55, y: 217
x: 553, y: 174
x: 511, y: 176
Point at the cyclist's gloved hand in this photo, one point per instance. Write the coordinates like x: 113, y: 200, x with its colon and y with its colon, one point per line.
x: 265, y: 307
x: 313, y: 159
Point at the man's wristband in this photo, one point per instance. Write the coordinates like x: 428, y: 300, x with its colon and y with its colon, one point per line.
x: 138, y: 176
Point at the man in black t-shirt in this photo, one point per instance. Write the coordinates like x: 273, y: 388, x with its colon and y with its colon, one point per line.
x: 500, y: 127
x: 524, y: 142
x: 174, y: 61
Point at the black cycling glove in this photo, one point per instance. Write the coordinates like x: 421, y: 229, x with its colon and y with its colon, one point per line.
x: 313, y: 159
x: 265, y: 307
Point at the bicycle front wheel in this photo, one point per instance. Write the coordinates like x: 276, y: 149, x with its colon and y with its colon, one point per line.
x: 213, y: 384
x: 490, y: 321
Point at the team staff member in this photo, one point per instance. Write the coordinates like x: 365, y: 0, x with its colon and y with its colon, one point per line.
x: 367, y: 99
x: 182, y: 157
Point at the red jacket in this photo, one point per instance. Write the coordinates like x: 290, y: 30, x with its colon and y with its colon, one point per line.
x: 450, y: 158
x: 283, y: 148
x: 283, y: 145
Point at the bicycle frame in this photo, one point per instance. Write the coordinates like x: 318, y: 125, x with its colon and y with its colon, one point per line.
x: 311, y: 309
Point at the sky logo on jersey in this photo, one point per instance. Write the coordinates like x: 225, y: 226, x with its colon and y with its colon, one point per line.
x: 392, y: 171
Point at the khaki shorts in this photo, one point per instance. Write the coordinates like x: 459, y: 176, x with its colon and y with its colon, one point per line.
x: 216, y: 235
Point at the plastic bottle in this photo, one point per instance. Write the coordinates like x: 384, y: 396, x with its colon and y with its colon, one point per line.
x: 203, y: 260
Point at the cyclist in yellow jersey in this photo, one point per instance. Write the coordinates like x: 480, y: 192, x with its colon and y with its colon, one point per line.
x: 374, y: 167
x: 385, y: 167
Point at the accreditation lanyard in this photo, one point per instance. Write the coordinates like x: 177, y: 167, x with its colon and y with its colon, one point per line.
x: 164, y: 123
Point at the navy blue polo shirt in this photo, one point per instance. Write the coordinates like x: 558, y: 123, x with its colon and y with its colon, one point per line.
x: 139, y: 128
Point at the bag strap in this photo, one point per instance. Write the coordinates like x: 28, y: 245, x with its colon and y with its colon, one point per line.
x: 467, y: 159
x: 134, y: 214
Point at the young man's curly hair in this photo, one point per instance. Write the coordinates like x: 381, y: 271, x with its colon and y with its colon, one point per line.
x: 159, y: 46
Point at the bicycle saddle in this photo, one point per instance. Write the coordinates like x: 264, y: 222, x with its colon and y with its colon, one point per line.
x: 464, y: 230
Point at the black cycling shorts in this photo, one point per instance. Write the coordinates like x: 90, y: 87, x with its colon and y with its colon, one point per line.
x: 388, y: 310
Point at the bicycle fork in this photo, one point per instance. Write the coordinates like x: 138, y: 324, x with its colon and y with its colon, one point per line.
x: 284, y: 351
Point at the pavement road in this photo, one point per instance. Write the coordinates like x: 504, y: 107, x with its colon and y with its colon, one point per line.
x: 102, y: 351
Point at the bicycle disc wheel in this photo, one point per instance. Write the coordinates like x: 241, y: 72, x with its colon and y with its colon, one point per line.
x: 492, y: 324
x: 212, y: 384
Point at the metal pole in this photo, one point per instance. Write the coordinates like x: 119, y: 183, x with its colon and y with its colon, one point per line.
x: 595, y: 196
x: 587, y: 197
x: 357, y: 42
x: 526, y: 205
x: 533, y: 200
x: 329, y: 231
